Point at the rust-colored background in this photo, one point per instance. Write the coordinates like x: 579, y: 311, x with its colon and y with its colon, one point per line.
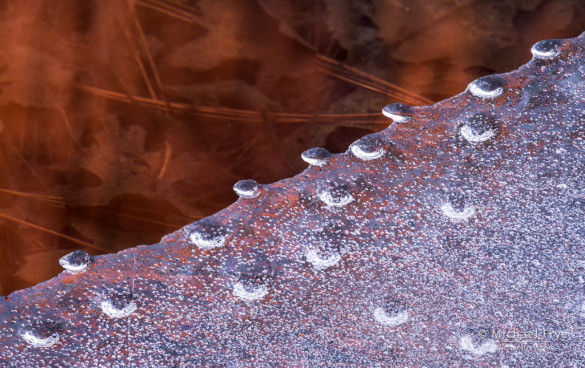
x: 121, y: 121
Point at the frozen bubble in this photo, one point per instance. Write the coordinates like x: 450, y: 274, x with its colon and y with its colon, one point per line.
x: 321, y: 262
x: 76, y: 262
x: 119, y: 305
x: 398, y: 112
x: 251, y: 272
x: 369, y: 147
x: 247, y: 189
x: 451, y: 212
x: 208, y: 235
x: 546, y: 49
x: 316, y: 156
x: 42, y: 335
x: 490, y: 86
x: 337, y: 195
x: 391, y: 314
x: 456, y: 208
x: 250, y: 293
x: 254, y: 266
x: 480, y: 128
x: 466, y: 343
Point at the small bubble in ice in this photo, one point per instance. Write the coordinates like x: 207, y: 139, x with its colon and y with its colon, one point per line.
x: 369, y: 147
x: 322, y: 262
x: 119, y: 305
x: 490, y: 86
x: 76, y: 262
x: 249, y: 293
x: 479, y: 128
x: 398, y: 112
x: 488, y: 346
x: 546, y: 49
x: 208, y: 235
x: 455, y: 208
x: 337, y: 195
x: 316, y: 156
x: 451, y: 212
x: 247, y: 189
x: 391, y: 314
x: 42, y: 335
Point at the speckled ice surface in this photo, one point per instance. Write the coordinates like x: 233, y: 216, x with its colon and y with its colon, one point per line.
x: 453, y: 239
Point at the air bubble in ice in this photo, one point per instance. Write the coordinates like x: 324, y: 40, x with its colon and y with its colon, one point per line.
x: 391, y: 314
x: 490, y: 86
x: 208, y: 235
x: 41, y: 335
x: 546, y: 49
x: 337, y: 195
x: 250, y: 292
x: 321, y: 262
x: 119, y: 305
x: 488, y: 346
x: 398, y: 112
x: 479, y: 128
x: 456, y: 208
x: 368, y: 148
x: 316, y: 156
x: 76, y: 262
x: 247, y: 189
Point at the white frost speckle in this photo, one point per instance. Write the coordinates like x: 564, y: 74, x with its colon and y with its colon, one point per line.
x: 114, y: 312
x: 393, y: 320
x: 250, y: 294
